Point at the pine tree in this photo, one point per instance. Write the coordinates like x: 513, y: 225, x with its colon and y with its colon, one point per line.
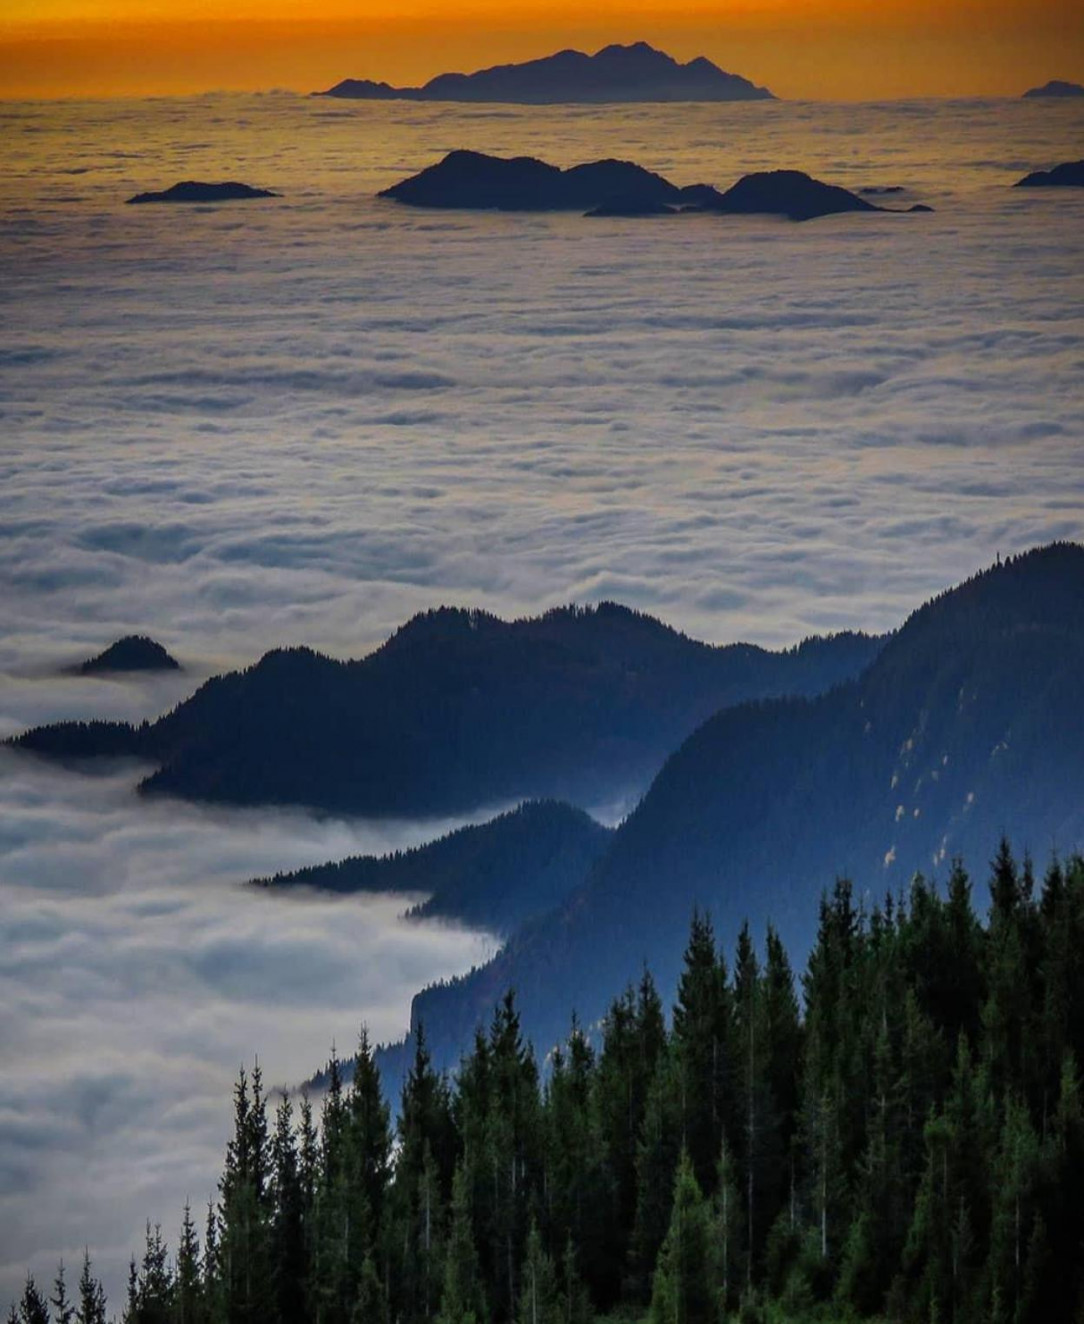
x: 510, y: 1159
x: 729, y: 1228
x: 92, y: 1302
x: 539, y: 1299
x: 244, y: 1247
x: 188, y: 1302
x: 332, y: 1282
x: 288, y: 1251
x: 367, y: 1149
x: 657, y: 1160
x: 463, y: 1299
x: 426, y: 1122
x: 685, y: 1289
x: 578, y: 1196
x: 154, y: 1293
x: 575, y: 1301
x: 370, y: 1303
x: 783, y: 1047
x: 1016, y: 1211
x: 33, y: 1308
x: 63, y: 1309
x: 213, y: 1297
x: 633, y: 1041
x: 701, y: 1034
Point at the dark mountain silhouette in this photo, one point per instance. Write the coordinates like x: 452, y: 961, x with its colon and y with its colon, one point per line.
x: 135, y: 652
x: 191, y: 190
x: 1068, y: 175
x: 476, y: 181
x: 614, y: 74
x: 790, y: 193
x: 1057, y: 87
x: 971, y: 717
x: 495, y: 875
x: 456, y: 712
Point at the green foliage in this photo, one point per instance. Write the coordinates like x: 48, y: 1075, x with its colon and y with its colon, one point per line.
x: 686, y: 1284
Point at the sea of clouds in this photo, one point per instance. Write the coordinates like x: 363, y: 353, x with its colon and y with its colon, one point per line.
x: 300, y: 421
x: 137, y: 974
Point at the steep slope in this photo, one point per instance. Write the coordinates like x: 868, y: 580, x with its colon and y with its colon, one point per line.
x: 456, y: 712
x: 494, y: 875
x: 970, y: 722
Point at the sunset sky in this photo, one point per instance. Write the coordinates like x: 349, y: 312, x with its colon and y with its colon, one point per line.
x: 847, y: 49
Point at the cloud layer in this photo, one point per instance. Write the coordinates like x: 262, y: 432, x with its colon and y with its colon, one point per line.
x: 300, y: 421
x: 135, y: 976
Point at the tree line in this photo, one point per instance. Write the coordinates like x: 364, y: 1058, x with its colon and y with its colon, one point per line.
x: 900, y: 1136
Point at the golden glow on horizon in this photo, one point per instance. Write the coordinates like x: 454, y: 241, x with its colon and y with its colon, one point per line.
x: 847, y: 49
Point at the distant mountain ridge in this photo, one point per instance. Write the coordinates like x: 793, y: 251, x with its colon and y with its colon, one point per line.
x: 971, y: 717
x: 616, y: 73
x: 495, y: 876
x: 458, y: 711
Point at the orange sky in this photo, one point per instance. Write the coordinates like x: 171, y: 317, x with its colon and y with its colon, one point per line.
x: 799, y: 48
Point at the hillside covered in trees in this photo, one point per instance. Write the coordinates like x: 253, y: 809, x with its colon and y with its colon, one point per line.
x: 458, y: 711
x: 898, y: 1135
x: 970, y: 718
x: 496, y: 875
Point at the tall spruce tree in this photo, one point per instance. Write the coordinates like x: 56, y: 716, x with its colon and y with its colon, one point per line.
x: 288, y: 1249
x: 539, y: 1298
x: 701, y: 1032
x: 244, y: 1213
x: 188, y: 1295
x: 33, y: 1308
x: 463, y: 1298
x: 685, y: 1288
x: 63, y: 1307
x: 92, y: 1301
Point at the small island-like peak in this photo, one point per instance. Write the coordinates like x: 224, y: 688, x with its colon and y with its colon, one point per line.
x: 135, y: 652
x: 1070, y: 174
x: 1056, y: 88
x: 194, y: 190
x: 474, y: 181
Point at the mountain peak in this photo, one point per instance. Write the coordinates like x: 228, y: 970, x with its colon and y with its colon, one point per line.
x: 135, y: 652
x: 636, y: 72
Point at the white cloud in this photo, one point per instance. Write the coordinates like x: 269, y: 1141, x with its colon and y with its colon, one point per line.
x: 136, y: 974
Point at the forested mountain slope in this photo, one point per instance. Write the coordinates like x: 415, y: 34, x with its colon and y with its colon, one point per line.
x: 897, y: 1137
x: 495, y: 875
x: 456, y: 712
x: 971, y: 717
